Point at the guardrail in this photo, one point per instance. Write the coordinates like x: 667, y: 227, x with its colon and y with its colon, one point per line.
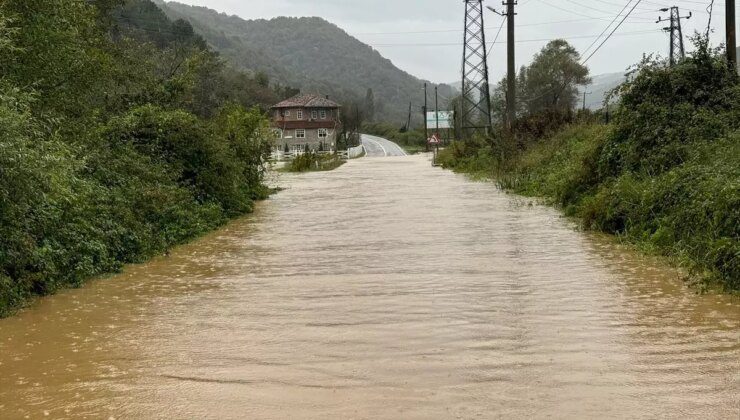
x: 355, y: 152
x: 352, y: 153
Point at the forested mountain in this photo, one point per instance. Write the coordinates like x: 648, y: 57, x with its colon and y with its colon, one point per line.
x: 311, y: 54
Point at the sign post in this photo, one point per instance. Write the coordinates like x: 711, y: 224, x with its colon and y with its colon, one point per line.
x: 434, y: 141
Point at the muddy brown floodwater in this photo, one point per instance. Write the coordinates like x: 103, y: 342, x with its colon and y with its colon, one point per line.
x: 384, y: 290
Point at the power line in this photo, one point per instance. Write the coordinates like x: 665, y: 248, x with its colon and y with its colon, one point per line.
x: 561, y: 88
x: 607, y: 27
x: 612, y: 32
x: 643, y: 32
x: 581, y: 14
x: 589, y: 7
x: 555, y: 22
x: 497, y: 35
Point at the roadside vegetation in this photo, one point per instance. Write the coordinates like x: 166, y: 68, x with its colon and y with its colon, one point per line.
x: 312, y: 161
x: 664, y: 174
x: 121, y: 135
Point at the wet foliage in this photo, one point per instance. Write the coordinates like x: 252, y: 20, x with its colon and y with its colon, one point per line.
x: 312, y: 161
x: 119, y: 138
x: 665, y: 174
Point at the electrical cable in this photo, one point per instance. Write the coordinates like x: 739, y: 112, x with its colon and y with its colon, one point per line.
x: 607, y: 27
x: 612, y: 32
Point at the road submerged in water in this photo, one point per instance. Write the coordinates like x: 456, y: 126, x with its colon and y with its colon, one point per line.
x: 379, y: 147
x: 385, y: 289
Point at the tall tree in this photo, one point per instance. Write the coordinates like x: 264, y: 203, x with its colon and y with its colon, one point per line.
x: 551, y: 81
x: 370, y: 105
x: 59, y: 52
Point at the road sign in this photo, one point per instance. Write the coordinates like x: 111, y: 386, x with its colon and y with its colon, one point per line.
x: 434, y: 139
x: 446, y: 119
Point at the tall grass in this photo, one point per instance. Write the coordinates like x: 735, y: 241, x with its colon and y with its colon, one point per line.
x: 665, y: 175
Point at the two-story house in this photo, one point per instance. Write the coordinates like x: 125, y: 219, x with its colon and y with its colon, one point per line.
x: 307, y: 120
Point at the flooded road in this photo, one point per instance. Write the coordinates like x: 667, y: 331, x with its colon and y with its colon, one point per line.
x: 384, y: 290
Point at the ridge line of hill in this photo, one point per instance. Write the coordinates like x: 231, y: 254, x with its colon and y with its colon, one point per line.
x: 311, y: 54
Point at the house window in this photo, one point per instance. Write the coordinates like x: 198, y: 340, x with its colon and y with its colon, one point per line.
x: 277, y: 133
x: 323, y: 133
x: 300, y: 134
x: 322, y: 115
x: 300, y: 115
x: 314, y: 115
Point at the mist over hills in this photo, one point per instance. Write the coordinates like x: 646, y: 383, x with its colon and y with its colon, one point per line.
x: 600, y: 86
x: 311, y: 54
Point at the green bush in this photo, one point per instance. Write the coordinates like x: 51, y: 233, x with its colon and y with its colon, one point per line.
x: 665, y: 113
x: 665, y: 175
x: 103, y: 160
x: 202, y: 161
x: 312, y: 161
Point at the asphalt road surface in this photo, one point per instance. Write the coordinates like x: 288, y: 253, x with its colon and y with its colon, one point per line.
x: 380, y: 147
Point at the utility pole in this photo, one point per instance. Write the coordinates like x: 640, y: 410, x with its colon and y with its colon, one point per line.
x: 358, y: 126
x: 677, y: 51
x: 584, y: 98
x: 408, y: 122
x: 436, y: 117
x: 510, y: 16
x: 457, y: 121
x: 731, y: 34
x: 476, y: 92
x: 511, y: 63
x: 426, y: 127
x: 436, y: 109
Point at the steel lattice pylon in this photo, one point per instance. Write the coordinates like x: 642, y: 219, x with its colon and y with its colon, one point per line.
x: 476, y: 102
x: 677, y: 51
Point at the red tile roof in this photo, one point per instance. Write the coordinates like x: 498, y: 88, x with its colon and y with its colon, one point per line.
x: 307, y: 101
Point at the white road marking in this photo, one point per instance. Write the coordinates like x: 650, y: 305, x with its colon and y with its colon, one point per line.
x: 396, y: 149
x: 385, y: 152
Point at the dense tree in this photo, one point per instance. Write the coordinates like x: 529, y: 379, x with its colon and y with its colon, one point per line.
x: 369, y: 106
x: 121, y: 134
x: 59, y: 53
x: 551, y: 81
x: 548, y: 85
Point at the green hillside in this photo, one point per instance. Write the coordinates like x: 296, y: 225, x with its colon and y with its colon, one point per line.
x: 311, y: 54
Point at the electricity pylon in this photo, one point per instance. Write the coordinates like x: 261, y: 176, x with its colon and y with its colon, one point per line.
x: 677, y: 51
x: 476, y: 102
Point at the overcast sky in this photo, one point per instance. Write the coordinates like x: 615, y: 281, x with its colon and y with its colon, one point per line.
x: 391, y: 25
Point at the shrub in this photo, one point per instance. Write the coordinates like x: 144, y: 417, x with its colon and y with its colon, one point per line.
x: 665, y: 175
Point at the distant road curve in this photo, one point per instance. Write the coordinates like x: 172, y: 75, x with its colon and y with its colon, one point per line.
x: 380, y: 147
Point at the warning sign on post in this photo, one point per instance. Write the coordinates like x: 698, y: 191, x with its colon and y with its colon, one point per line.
x: 434, y: 139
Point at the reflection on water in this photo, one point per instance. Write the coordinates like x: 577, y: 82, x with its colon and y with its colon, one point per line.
x: 385, y: 289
